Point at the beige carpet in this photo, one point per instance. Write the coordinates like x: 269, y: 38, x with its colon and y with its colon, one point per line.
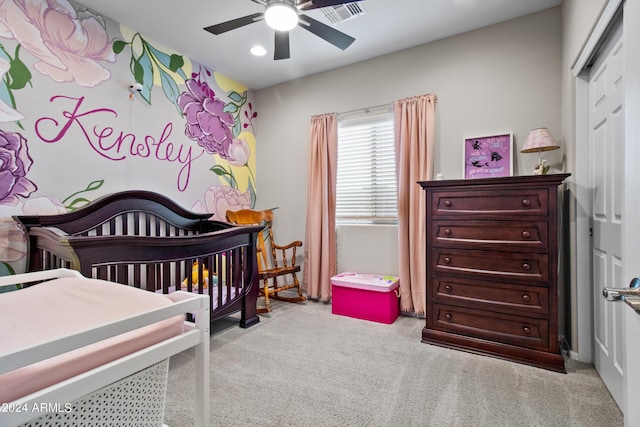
x: 303, y: 366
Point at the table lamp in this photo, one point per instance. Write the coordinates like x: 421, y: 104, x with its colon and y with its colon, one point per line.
x: 539, y: 140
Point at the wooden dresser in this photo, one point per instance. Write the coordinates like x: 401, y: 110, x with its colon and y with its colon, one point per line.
x: 492, y: 267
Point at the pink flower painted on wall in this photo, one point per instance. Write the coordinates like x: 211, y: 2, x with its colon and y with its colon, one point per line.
x: 68, y: 44
x: 12, y: 244
x: 238, y: 152
x: 14, y: 165
x: 207, y: 122
x: 219, y: 199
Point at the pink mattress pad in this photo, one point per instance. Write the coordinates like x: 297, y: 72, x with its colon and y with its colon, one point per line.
x: 65, y: 306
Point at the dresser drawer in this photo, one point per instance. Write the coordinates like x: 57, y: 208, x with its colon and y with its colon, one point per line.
x: 491, y: 265
x: 506, y: 235
x: 491, y: 203
x: 503, y: 328
x: 485, y: 295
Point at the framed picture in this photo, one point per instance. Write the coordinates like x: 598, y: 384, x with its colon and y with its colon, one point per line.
x: 488, y: 156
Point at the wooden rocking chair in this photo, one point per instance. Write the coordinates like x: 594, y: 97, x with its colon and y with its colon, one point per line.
x: 276, y: 264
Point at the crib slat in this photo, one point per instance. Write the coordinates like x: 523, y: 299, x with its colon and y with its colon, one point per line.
x: 166, y: 273
x: 122, y: 274
x: 151, y: 278
x: 125, y: 224
x: 136, y: 223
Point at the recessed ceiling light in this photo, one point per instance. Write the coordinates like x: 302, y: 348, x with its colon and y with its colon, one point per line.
x: 258, y: 50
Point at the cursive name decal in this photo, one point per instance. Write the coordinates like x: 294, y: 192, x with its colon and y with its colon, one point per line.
x: 116, y: 145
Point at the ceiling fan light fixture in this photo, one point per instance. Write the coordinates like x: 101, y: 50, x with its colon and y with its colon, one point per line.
x: 281, y: 15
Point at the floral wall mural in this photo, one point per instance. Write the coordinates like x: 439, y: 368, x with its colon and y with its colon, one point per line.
x: 72, y: 129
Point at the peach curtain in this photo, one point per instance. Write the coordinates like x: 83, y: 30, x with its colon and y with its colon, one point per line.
x: 320, y: 239
x: 414, y: 120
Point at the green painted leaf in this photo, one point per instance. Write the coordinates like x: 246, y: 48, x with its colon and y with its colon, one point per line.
x: 5, y: 93
x: 147, y: 76
x: 170, y: 88
x: 20, y: 74
x: 136, y: 70
x: 252, y: 193
x: 118, y: 46
x: 230, y: 108
x: 4, y: 55
x: 94, y: 185
x: 78, y: 203
x: 176, y: 62
x: 167, y: 61
x: 237, y: 127
x: 219, y: 170
x: 7, y: 270
x: 235, y: 96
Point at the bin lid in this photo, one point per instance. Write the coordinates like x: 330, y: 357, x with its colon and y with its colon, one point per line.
x: 371, y: 282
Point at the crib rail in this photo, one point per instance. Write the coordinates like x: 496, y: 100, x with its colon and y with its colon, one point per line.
x: 221, y: 264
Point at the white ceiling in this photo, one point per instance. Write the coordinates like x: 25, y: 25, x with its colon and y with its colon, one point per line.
x: 388, y: 26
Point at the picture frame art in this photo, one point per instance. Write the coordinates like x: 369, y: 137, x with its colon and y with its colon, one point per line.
x: 488, y: 156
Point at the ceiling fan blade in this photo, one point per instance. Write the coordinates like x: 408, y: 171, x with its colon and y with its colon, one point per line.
x: 333, y: 36
x: 281, y: 50
x: 234, y: 23
x: 316, y: 4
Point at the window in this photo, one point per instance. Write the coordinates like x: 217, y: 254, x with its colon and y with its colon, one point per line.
x: 366, y: 187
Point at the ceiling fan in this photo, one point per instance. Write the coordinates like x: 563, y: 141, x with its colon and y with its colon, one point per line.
x: 283, y: 16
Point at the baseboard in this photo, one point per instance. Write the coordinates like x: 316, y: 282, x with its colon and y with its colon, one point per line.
x: 565, y: 349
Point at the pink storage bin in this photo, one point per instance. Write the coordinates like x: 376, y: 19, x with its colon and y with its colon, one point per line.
x: 365, y: 296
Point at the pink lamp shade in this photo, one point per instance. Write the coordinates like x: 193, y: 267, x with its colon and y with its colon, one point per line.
x: 539, y: 140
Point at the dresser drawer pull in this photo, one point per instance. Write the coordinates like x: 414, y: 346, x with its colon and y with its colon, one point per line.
x: 526, y: 298
x: 447, y: 260
x: 526, y: 234
x: 526, y: 330
x: 526, y: 267
x: 448, y: 288
x: 448, y: 203
x: 447, y: 232
x: 526, y: 203
x: 448, y: 316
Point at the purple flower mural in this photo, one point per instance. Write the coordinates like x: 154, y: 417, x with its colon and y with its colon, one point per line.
x: 207, y: 122
x: 14, y: 165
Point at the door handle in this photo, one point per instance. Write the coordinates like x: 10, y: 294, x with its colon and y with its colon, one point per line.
x: 630, y: 295
x: 615, y: 294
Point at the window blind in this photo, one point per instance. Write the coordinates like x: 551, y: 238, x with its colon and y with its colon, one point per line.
x: 366, y: 187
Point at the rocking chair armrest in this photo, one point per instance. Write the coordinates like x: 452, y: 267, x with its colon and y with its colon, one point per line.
x: 296, y: 243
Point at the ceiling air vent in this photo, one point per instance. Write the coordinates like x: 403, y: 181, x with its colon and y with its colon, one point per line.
x: 343, y: 12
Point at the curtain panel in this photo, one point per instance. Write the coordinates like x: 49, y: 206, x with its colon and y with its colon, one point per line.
x: 320, y: 259
x: 414, y: 142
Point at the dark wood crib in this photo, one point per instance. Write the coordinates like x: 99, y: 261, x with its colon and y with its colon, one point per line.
x: 144, y: 239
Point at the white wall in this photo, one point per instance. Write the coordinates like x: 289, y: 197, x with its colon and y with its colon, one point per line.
x: 368, y: 248
x: 502, y: 78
